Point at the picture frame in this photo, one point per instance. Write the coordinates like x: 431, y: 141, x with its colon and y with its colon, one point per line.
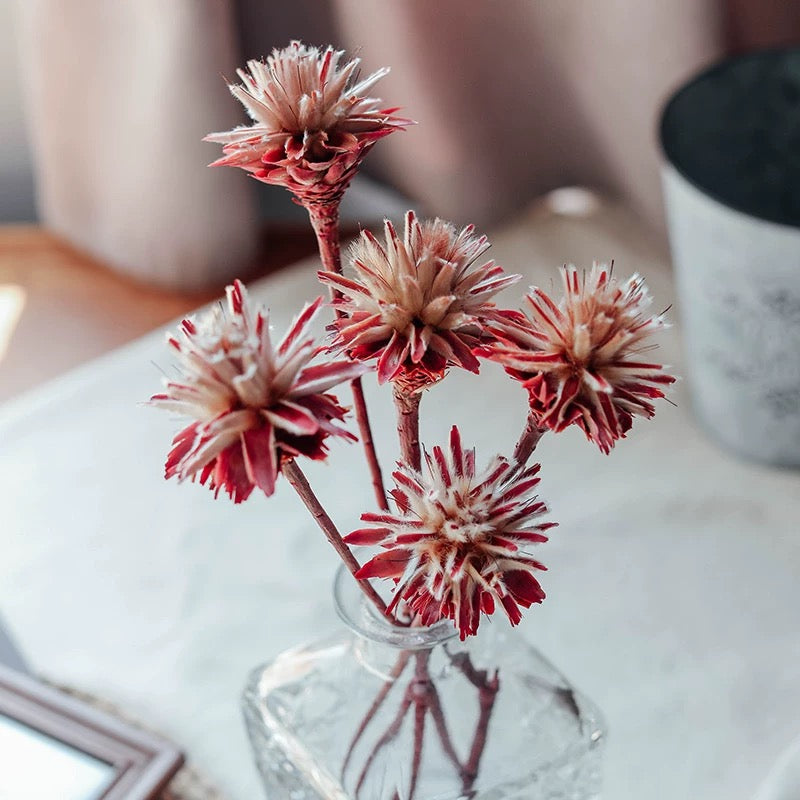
x: 102, y: 757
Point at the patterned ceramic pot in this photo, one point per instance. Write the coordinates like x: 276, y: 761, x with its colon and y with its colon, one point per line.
x: 731, y: 178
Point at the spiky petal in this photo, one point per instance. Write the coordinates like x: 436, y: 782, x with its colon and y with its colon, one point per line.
x: 312, y: 122
x: 581, y: 360
x: 418, y: 304
x: 253, y: 404
x: 457, y: 547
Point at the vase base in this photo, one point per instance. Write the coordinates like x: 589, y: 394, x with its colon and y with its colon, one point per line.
x: 303, y: 711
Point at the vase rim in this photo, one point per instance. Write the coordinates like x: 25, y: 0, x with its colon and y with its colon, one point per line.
x: 364, y: 620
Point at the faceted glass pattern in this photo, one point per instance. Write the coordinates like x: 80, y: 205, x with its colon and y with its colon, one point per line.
x: 378, y: 712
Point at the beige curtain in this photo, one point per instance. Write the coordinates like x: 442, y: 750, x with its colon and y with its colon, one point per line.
x: 513, y: 98
x: 119, y: 96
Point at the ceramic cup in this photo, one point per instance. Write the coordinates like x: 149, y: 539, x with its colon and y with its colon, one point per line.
x: 731, y: 179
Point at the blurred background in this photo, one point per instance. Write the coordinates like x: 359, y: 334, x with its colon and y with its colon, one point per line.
x: 104, y: 196
x: 538, y: 122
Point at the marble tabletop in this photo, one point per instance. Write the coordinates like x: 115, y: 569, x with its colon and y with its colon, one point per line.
x: 673, y: 584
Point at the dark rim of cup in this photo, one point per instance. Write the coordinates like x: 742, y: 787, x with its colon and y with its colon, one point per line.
x: 669, y: 108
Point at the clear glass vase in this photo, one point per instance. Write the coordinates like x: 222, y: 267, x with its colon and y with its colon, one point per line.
x: 378, y: 712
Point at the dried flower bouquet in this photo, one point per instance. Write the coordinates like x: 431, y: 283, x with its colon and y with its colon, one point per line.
x: 410, y: 307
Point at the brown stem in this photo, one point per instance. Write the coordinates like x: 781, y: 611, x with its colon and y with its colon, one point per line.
x: 419, y: 728
x: 407, y: 405
x: 298, y: 480
x: 387, y: 737
x: 463, y: 663
x: 397, y: 670
x: 487, y: 697
x: 527, y: 441
x: 487, y: 694
x: 365, y: 434
x: 325, y: 222
x: 439, y: 721
x: 421, y: 691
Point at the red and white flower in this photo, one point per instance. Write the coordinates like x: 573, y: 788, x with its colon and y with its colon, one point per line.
x: 581, y: 360
x: 418, y: 304
x: 456, y: 549
x: 312, y: 123
x: 254, y: 405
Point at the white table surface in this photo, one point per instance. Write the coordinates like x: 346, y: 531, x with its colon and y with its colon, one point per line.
x: 673, y: 590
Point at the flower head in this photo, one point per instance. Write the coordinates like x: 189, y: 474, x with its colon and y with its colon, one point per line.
x: 418, y: 305
x: 456, y: 547
x: 254, y: 405
x: 581, y: 360
x: 312, y: 123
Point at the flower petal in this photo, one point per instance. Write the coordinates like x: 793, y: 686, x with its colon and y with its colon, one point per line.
x: 320, y: 378
x: 260, y: 458
x: 385, y: 565
x: 455, y: 549
x: 292, y: 418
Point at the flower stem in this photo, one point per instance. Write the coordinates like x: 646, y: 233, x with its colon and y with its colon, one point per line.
x: 407, y: 405
x: 389, y: 683
x: 487, y: 694
x: 421, y: 693
x: 365, y: 434
x: 298, y: 480
x: 424, y: 683
x: 389, y: 734
x: 435, y: 705
x: 527, y: 441
x: 325, y: 222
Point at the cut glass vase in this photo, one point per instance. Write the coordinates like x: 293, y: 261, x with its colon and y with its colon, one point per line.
x: 379, y: 712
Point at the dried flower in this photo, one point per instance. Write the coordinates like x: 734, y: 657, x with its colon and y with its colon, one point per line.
x: 417, y: 305
x: 455, y: 548
x: 312, y: 122
x: 579, y: 361
x: 254, y: 405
